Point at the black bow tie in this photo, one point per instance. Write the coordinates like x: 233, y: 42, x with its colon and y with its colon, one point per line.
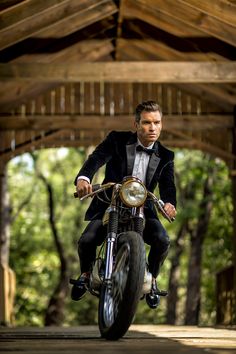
x: 148, y: 151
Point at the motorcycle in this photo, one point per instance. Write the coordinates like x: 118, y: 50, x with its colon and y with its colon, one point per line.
x: 120, y: 277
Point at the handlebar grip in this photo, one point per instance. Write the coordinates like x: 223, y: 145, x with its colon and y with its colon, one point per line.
x: 161, y: 203
x: 95, y: 187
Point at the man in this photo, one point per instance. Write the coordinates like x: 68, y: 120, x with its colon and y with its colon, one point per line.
x: 124, y: 155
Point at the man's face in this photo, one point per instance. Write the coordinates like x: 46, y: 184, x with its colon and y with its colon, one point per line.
x: 149, y: 127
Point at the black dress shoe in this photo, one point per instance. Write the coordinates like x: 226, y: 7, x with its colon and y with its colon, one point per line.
x: 153, y: 298
x: 79, y: 287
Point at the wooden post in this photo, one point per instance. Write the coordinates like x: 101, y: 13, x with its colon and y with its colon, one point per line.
x: 7, y: 277
x: 234, y: 216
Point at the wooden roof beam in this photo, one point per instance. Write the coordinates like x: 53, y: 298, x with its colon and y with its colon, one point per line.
x: 201, y: 145
x: 79, y: 20
x: 13, y: 94
x: 72, y: 138
x: 7, y: 3
x: 224, y: 11
x: 97, y: 122
x: 87, y: 50
x: 29, y: 145
x: 136, y: 9
x: 159, y: 50
x: 33, y: 17
x: 194, y: 17
x: 169, y: 72
x: 150, y: 49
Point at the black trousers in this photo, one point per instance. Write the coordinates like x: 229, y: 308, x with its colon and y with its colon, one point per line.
x: 154, y: 235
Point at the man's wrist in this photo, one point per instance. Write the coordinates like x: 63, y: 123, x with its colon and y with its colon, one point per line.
x: 83, y: 178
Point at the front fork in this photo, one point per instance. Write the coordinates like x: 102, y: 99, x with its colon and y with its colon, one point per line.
x: 112, y: 234
x: 111, y: 239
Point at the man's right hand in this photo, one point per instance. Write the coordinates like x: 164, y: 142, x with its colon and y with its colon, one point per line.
x: 83, y: 188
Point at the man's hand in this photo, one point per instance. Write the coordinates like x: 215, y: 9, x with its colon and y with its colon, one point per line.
x: 83, y: 188
x: 170, y: 210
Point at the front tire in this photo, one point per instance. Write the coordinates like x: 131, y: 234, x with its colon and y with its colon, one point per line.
x: 119, y: 298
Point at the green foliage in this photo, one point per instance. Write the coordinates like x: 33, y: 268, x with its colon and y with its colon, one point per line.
x: 33, y: 256
x: 217, y: 247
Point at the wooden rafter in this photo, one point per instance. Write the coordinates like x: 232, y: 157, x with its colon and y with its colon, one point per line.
x: 194, y: 18
x: 224, y: 11
x: 87, y: 50
x: 13, y: 94
x: 32, y: 17
x: 136, y: 9
x: 198, y: 144
x: 75, y: 138
x: 96, y: 122
x: 100, y: 10
x: 160, y: 51
x: 7, y: 3
x: 152, y: 49
x: 38, y: 141
x: 171, y: 72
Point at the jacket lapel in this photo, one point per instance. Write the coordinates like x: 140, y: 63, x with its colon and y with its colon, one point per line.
x: 152, y: 166
x: 153, y: 162
x: 130, y: 153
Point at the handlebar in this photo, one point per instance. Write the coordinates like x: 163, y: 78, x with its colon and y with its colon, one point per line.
x: 160, y: 205
x: 97, y: 188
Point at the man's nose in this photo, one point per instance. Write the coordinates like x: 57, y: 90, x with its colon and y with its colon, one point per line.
x: 152, y: 126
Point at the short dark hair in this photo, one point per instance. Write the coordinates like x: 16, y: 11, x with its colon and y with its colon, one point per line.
x: 147, y: 106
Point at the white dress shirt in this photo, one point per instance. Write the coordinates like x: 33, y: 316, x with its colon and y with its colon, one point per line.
x: 140, y: 164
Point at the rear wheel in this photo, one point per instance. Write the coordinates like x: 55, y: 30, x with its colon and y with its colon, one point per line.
x: 120, y: 297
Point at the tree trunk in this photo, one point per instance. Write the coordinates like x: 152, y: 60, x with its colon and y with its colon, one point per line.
x: 194, y: 267
x: 5, y: 218
x: 7, y: 276
x: 55, y: 310
x: 172, y: 298
x: 186, y: 193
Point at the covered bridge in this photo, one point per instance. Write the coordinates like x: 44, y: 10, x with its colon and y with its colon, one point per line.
x: 72, y: 70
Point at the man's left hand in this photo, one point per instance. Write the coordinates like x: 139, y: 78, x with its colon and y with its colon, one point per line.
x: 170, y: 210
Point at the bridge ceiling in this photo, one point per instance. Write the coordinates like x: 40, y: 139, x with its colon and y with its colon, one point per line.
x: 73, y: 70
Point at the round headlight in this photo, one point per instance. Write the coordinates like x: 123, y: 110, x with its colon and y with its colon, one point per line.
x: 133, y: 193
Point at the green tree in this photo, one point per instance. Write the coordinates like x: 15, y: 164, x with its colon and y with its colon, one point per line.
x: 33, y: 254
x: 198, y: 213
x: 35, y: 258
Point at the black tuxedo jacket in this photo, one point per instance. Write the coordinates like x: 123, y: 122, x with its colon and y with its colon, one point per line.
x: 117, y: 151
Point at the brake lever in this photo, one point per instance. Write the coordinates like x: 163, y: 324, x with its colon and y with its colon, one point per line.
x: 95, y: 188
x: 160, y: 205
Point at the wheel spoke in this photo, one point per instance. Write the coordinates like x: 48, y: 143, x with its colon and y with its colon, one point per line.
x: 114, y: 291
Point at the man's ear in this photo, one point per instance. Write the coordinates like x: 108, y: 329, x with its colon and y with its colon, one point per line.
x: 135, y: 125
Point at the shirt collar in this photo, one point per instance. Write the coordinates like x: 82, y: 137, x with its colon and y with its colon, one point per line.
x: 147, y: 147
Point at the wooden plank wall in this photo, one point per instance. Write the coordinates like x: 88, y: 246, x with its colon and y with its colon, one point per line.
x: 114, y: 98
x: 110, y: 99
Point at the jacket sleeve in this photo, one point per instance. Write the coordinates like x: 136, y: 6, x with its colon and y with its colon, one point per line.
x: 100, y: 156
x: 167, y: 184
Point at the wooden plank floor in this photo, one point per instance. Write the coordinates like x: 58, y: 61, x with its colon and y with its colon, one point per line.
x: 145, y: 339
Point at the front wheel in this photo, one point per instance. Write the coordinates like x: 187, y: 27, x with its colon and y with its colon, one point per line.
x: 119, y: 298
